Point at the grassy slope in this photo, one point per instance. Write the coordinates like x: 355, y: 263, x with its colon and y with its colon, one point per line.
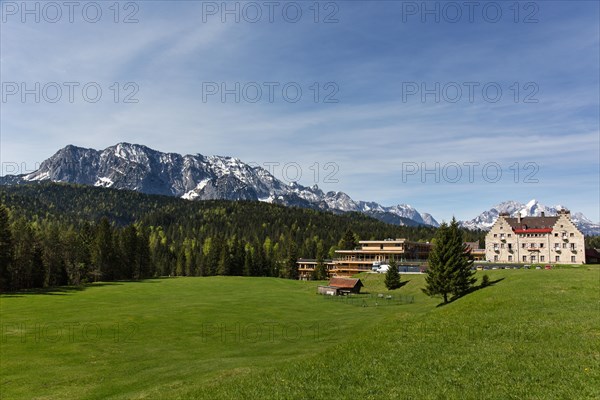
x: 533, y: 335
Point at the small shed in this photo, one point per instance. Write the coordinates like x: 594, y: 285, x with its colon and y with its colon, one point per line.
x: 327, y: 290
x: 592, y: 256
x: 345, y: 285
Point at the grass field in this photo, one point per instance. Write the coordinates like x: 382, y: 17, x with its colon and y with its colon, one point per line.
x: 534, y: 334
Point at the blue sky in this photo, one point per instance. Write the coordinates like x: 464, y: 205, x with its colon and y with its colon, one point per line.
x: 371, y: 58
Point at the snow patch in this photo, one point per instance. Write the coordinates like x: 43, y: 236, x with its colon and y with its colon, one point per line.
x: 104, y: 182
x: 39, y: 177
x: 191, y: 195
x: 269, y: 199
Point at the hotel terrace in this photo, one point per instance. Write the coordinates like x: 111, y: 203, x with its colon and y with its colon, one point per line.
x: 371, y: 252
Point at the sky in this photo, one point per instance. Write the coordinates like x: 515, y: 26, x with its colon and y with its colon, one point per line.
x: 449, y: 107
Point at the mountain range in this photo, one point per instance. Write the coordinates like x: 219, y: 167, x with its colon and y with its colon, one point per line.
x: 533, y: 208
x: 198, y: 177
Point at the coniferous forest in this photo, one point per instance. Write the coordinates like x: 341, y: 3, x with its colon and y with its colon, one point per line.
x: 61, y: 234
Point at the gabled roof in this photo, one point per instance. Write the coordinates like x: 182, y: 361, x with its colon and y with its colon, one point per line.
x: 530, y: 223
x: 344, y: 283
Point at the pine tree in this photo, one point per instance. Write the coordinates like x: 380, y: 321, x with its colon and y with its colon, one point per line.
x: 449, y: 264
x: 6, y: 249
x: 348, y: 241
x: 128, y: 250
x: 143, y: 264
x: 320, y: 269
x: 392, y: 277
x: 103, y: 251
x: 291, y: 262
x: 463, y: 277
x: 248, y: 263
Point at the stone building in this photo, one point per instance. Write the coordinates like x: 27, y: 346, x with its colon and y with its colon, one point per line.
x: 531, y: 240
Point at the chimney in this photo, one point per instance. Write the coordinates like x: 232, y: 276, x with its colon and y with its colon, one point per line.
x: 519, y: 217
x: 543, y: 214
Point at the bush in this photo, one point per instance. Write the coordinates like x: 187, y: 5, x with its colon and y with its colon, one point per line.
x: 392, y: 277
x: 485, y: 281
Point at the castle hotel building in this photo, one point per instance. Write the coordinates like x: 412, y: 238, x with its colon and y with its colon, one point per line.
x: 550, y: 240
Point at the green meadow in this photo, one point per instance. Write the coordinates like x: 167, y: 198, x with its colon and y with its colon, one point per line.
x: 532, y: 334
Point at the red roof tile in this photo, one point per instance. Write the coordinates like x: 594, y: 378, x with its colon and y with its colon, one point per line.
x: 344, y: 283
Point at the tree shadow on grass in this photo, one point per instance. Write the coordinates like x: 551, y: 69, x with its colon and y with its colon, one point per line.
x: 471, y: 290
x: 66, y: 290
x: 402, y: 283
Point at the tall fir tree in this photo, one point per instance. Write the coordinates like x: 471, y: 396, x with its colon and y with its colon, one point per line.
x: 103, y: 252
x: 320, y: 272
x: 392, y: 276
x: 291, y: 262
x: 449, y: 264
x: 463, y: 277
x: 348, y: 241
x: 6, y: 249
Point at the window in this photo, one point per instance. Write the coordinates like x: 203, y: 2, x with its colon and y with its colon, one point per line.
x: 541, y: 245
x: 572, y: 258
x: 510, y: 246
x: 572, y: 234
x: 495, y: 235
x: 524, y: 258
x: 495, y: 246
x: 502, y: 245
x: 557, y: 258
x: 509, y: 235
x: 572, y: 246
x: 509, y: 258
x: 496, y: 258
x: 542, y: 258
x: 564, y: 245
x: 533, y: 258
x: 524, y: 245
x: 556, y: 235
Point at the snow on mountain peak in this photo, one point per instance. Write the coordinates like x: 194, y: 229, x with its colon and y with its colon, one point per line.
x: 532, y: 203
x: 197, y: 177
x: 486, y: 219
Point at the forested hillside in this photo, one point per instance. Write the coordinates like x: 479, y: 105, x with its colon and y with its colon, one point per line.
x: 59, y: 234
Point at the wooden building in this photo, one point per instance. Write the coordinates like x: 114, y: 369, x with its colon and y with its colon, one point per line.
x: 341, y: 286
x: 306, y: 267
x: 376, y: 252
x: 370, y: 253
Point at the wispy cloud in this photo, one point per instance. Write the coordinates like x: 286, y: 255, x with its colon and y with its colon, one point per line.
x: 372, y: 130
